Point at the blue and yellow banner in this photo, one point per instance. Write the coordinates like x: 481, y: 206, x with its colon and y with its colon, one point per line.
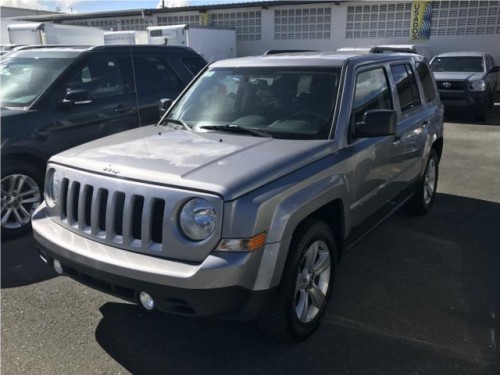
x: 421, y: 17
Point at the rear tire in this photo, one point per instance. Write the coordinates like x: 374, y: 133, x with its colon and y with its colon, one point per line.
x: 425, y: 192
x: 306, y: 284
x: 22, y: 192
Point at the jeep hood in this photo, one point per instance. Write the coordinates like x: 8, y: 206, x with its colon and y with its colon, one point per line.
x: 225, y: 164
x: 457, y: 76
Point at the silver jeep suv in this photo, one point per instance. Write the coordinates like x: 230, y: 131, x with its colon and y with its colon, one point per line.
x: 241, y: 201
x: 466, y: 80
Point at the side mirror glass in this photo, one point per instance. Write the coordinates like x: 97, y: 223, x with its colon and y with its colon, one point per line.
x: 164, y: 106
x: 376, y: 123
x: 77, y: 97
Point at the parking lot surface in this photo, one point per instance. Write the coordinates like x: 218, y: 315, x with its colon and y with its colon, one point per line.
x: 419, y: 295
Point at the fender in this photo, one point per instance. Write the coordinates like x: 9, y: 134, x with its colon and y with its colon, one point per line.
x: 278, y: 209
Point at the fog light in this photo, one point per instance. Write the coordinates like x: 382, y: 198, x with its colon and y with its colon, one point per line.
x: 146, y: 301
x: 58, y: 267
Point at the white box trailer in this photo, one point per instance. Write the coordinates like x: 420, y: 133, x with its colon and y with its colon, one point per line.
x: 126, y: 37
x: 213, y: 43
x: 36, y: 33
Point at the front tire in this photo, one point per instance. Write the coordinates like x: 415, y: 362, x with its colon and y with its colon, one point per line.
x: 22, y: 187
x: 425, y: 192
x: 306, y: 284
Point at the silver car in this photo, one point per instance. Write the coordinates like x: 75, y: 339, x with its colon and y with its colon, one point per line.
x: 242, y: 200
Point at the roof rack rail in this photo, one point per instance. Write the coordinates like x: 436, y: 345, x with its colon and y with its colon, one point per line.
x: 39, y: 46
x: 278, y: 51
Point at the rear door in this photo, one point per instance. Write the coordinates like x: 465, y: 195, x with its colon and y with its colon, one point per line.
x: 416, y: 114
x: 155, y: 78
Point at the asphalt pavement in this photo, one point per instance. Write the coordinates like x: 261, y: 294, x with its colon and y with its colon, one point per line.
x: 419, y: 295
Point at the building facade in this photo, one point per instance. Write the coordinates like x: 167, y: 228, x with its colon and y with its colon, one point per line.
x: 326, y: 25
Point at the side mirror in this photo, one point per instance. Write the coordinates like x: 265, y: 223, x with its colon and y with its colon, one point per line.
x: 164, y: 106
x: 495, y: 69
x: 77, y: 97
x: 376, y: 123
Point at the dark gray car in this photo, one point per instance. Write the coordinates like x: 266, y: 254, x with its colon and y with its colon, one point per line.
x: 241, y: 202
x: 54, y: 98
x: 466, y: 80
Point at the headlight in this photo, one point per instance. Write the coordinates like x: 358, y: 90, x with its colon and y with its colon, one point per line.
x: 477, y: 85
x: 198, y: 219
x: 52, y: 185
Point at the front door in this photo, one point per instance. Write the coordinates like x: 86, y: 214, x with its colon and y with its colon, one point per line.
x: 100, y: 104
x: 377, y: 161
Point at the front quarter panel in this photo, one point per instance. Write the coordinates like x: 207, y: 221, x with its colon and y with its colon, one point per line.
x: 281, y: 206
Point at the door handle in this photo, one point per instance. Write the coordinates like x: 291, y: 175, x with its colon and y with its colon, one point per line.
x: 122, y: 109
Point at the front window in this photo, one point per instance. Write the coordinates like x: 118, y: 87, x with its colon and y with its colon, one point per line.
x: 25, y: 79
x: 458, y: 64
x: 287, y: 103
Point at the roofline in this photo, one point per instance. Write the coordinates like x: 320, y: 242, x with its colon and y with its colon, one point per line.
x: 150, y: 11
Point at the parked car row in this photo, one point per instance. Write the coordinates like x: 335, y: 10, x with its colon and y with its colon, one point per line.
x: 64, y: 96
x: 54, y: 98
x: 465, y: 80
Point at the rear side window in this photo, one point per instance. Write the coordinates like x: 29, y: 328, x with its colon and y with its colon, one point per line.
x: 153, y: 74
x: 371, y: 92
x: 406, y: 86
x: 427, y: 83
x: 193, y: 63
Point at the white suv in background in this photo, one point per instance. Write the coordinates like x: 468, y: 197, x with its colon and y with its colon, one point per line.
x: 466, y: 80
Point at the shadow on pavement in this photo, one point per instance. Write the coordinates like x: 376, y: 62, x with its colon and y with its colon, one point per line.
x: 414, y: 297
x: 21, y: 264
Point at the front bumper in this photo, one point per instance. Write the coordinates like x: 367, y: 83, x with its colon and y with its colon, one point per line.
x: 463, y: 99
x: 222, y: 285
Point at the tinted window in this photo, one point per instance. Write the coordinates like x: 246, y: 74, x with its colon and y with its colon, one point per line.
x: 194, y: 63
x: 153, y: 74
x: 101, y: 77
x: 457, y: 64
x: 371, y: 92
x: 25, y: 79
x: 427, y: 83
x: 283, y: 102
x: 406, y: 86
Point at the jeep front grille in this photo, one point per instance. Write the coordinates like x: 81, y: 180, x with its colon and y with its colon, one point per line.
x: 131, y: 215
x: 114, y: 215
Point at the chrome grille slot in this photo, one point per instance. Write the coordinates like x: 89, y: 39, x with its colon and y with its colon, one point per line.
x: 118, y: 210
x: 88, y: 192
x: 100, y: 212
x: 157, y: 220
x: 136, y: 219
x: 63, y: 199
x: 72, y: 203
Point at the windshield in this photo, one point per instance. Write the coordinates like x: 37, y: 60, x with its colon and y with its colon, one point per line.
x: 24, y: 79
x: 282, y: 102
x: 458, y: 64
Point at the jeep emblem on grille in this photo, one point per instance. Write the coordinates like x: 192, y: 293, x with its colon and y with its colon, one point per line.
x: 447, y: 84
x: 110, y: 169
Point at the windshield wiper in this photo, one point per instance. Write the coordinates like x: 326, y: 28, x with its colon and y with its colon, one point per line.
x: 232, y: 128
x: 177, y: 122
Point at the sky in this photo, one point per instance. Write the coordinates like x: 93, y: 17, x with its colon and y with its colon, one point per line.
x: 85, y: 6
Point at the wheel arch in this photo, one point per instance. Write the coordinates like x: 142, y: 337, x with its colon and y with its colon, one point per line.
x: 437, y: 145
